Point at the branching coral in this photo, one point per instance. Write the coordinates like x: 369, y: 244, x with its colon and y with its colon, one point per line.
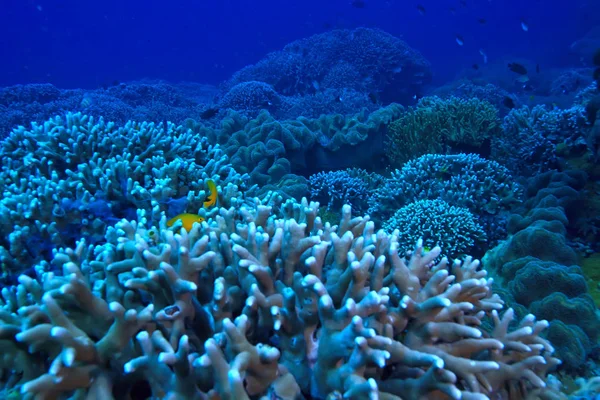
x: 73, y: 176
x: 435, y: 125
x: 337, y: 188
x: 352, y: 186
x: 463, y: 180
x: 528, y: 143
x: 192, y: 313
x: 452, y: 228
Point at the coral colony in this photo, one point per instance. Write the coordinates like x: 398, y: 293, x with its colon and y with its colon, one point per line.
x: 300, y: 234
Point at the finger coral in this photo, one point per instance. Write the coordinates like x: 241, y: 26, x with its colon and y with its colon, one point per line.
x: 264, y: 302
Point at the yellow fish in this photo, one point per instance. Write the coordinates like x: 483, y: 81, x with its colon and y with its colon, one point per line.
x: 211, y: 199
x: 187, y: 220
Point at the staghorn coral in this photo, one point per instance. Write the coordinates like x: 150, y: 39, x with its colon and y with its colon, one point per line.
x: 191, y: 314
x: 437, y: 125
x: 73, y: 176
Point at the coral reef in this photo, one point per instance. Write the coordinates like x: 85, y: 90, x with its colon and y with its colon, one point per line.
x: 437, y: 126
x: 251, y: 97
x: 264, y: 301
x: 571, y: 81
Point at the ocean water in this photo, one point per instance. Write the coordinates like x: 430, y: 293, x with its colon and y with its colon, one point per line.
x: 353, y: 199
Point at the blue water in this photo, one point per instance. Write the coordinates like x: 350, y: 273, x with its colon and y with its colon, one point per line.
x: 84, y: 44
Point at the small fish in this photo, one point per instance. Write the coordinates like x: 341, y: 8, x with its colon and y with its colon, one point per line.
x: 316, y: 85
x: 463, y: 3
x: 508, y: 102
x: 373, y: 97
x: 523, y: 79
x: 485, y: 59
x: 209, y: 113
x: 482, y: 21
x: 421, y: 9
x: 358, y: 3
x: 517, y: 68
x: 524, y: 25
x: 475, y: 67
x: 531, y: 97
x: 211, y: 199
x: 460, y: 40
x: 596, y: 58
x: 596, y: 76
x: 397, y: 70
x: 527, y: 87
x: 452, y: 10
x: 187, y: 220
x: 86, y: 101
x: 537, y: 68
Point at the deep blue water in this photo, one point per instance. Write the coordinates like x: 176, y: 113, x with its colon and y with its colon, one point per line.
x: 87, y: 44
